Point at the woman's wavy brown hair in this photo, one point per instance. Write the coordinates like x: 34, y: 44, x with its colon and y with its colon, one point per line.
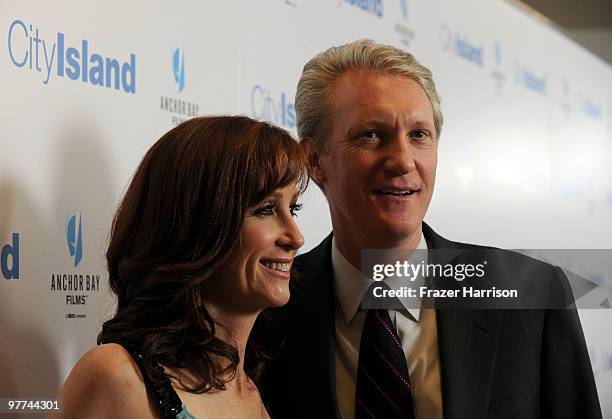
x: 179, y: 220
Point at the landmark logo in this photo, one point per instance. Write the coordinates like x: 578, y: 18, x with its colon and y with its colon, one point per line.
x: 10, y: 253
x: 74, y: 237
x: 178, y: 67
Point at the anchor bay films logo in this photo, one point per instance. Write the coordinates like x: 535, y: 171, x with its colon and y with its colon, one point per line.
x: 75, y: 286
x: 179, y: 108
x: 403, y: 28
x: 497, y: 72
x: 566, y: 100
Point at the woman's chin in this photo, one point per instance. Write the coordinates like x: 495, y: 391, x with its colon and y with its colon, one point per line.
x: 278, y: 300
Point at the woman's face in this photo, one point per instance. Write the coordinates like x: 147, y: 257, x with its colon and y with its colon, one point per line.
x: 257, y: 276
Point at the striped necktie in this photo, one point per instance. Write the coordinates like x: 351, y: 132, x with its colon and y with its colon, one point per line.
x: 383, y: 384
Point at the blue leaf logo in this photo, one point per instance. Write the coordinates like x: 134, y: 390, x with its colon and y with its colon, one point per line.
x: 178, y: 67
x: 404, y: 4
x: 74, y: 237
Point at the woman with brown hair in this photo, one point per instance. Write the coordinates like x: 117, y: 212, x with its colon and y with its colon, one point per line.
x: 202, y: 242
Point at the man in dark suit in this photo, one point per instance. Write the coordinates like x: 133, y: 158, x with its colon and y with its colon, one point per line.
x: 369, y: 118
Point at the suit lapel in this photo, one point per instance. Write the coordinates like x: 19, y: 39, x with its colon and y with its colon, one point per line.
x: 467, y: 343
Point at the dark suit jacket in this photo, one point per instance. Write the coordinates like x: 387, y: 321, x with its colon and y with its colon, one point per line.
x: 494, y: 363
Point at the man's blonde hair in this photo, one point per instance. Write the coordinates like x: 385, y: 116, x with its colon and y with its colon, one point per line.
x: 319, y: 74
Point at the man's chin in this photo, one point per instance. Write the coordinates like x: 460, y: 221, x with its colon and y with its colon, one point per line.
x: 393, y: 233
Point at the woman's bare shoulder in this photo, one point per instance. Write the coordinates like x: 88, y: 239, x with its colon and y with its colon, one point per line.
x: 108, y: 364
x: 106, y: 380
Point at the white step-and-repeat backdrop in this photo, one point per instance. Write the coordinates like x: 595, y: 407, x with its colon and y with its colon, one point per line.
x: 525, y: 153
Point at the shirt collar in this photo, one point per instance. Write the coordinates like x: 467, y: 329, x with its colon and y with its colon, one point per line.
x: 350, y: 285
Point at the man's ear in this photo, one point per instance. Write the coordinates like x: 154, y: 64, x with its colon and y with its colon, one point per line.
x: 315, y: 169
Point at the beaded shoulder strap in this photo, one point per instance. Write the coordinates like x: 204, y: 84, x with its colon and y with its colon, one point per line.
x: 168, y: 403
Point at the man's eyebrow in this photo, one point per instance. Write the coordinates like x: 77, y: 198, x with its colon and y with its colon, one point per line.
x: 369, y: 122
x: 423, y: 122
x: 361, y: 126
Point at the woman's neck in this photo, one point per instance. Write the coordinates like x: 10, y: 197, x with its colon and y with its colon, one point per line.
x: 234, y: 329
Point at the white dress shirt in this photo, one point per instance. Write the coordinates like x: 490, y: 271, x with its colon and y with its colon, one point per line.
x: 416, y: 329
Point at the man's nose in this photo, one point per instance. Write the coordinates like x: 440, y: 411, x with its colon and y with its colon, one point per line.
x: 399, y: 156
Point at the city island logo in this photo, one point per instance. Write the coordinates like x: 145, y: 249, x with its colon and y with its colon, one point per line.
x: 529, y: 80
x: 76, y: 287
x: 592, y: 110
x: 74, y: 237
x: 460, y: 46
x: 9, y: 258
x: 27, y: 49
x: 374, y: 7
x: 180, y: 109
x: 268, y: 107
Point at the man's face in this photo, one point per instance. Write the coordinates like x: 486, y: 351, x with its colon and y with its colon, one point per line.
x: 379, y: 168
